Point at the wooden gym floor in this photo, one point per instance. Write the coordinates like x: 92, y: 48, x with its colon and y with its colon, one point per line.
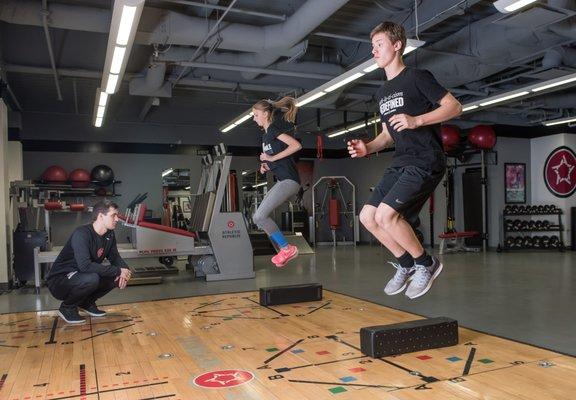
x: 228, y: 347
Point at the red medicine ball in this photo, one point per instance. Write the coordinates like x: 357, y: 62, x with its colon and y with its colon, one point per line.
x: 80, y: 178
x: 450, y: 137
x: 55, y: 174
x: 482, y: 137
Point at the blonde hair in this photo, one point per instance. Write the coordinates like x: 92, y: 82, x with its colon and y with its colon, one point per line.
x: 395, y: 32
x: 286, y: 104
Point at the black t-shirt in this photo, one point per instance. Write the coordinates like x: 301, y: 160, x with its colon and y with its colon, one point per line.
x: 284, y: 168
x: 413, y: 92
x: 85, y: 251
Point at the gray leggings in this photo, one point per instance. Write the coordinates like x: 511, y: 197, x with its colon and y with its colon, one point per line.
x: 281, y: 192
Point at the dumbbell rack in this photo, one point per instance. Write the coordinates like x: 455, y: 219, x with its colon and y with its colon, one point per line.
x: 552, y: 228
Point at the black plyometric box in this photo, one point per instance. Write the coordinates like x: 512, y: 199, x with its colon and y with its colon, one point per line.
x: 290, y: 294
x: 408, y: 337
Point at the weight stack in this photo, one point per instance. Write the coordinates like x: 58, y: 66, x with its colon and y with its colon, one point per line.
x: 408, y: 337
x: 276, y: 295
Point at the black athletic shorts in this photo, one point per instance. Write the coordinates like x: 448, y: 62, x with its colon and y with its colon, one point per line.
x: 406, y: 190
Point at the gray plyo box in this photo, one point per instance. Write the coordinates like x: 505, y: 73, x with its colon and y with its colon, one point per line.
x: 408, y: 337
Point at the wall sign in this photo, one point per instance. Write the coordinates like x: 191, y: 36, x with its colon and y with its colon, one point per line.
x: 560, y: 172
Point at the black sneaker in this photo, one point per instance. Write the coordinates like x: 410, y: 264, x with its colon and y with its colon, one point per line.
x: 70, y: 314
x: 93, y: 310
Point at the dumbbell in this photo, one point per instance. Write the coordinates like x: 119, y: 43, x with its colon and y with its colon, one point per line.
x: 545, y: 242
x: 538, y: 225
x: 522, y: 210
x: 509, y: 242
x: 554, y: 242
x: 536, y: 242
x: 545, y: 225
x: 541, y: 209
x: 507, y: 210
x: 527, y: 242
x: 524, y: 225
x: 532, y: 225
x: 517, y: 224
x: 518, y: 241
x: 509, y: 224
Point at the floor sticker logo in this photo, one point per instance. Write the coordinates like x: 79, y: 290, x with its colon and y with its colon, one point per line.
x: 223, y: 379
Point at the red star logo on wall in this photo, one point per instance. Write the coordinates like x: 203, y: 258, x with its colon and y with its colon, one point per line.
x: 559, y: 172
x: 563, y: 171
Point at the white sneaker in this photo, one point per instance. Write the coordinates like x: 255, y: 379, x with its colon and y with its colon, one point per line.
x: 423, y: 278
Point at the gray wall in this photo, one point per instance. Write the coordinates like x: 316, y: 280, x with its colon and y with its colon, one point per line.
x: 141, y: 173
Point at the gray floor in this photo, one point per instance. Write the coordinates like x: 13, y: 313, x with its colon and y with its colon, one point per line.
x: 525, y: 296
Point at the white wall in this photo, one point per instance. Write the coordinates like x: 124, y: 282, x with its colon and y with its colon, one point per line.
x: 541, y: 148
x: 5, y: 215
x: 139, y: 173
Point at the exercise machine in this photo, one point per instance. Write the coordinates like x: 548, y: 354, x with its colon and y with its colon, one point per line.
x: 334, y: 220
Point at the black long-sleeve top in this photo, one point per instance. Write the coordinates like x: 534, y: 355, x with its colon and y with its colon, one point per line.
x: 85, y: 251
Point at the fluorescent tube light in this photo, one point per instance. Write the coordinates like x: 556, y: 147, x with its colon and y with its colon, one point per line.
x: 504, y: 98
x: 551, y: 85
x: 344, y: 82
x: 371, y: 68
x: 560, y: 121
x: 468, y: 108
x: 167, y: 172
x: 103, y: 99
x: 117, y: 59
x: 100, y: 112
x: 111, y: 85
x: 244, y: 118
x: 125, y: 26
x: 228, y: 128
x: 310, y: 99
x: 98, y: 122
x: 338, y: 133
x: 508, y: 6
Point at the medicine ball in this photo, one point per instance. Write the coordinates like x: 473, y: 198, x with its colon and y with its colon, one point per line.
x: 450, y: 137
x: 79, y: 178
x: 482, y: 137
x: 55, y: 174
x: 102, y: 175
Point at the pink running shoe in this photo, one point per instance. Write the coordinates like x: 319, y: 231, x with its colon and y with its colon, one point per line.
x: 285, y: 255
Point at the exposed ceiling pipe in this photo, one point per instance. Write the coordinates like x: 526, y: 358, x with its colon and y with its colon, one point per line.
x: 212, y: 30
x: 89, y: 74
x: 559, y: 56
x: 269, y: 41
x: 268, y: 71
x: 62, y: 16
x: 45, y: 13
x: 213, y: 5
x: 484, y: 48
x: 179, y: 29
x: 152, y: 83
x: 178, y: 53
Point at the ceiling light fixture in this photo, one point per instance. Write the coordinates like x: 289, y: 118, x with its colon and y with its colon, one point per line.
x: 336, y: 83
x: 559, y: 121
x: 508, y: 6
